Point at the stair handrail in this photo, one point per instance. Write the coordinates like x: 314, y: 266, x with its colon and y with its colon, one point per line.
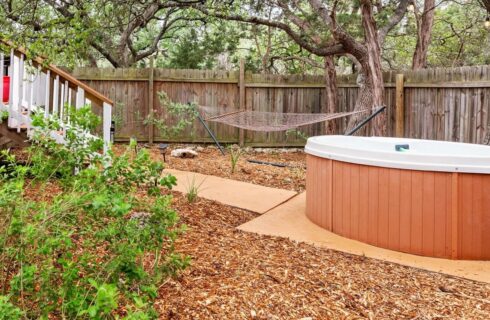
x: 56, y: 71
x: 63, y: 81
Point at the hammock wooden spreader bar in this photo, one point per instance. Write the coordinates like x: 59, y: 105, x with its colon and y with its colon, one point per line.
x: 275, y: 121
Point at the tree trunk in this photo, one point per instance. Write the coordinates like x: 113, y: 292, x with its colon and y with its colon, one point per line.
x: 424, y: 36
x: 371, y: 90
x: 92, y: 61
x: 486, y: 3
x: 331, y: 97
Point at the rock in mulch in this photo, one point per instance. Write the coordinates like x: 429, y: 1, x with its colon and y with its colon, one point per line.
x: 141, y: 217
x: 183, y: 153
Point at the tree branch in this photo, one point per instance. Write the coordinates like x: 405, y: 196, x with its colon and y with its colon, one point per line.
x: 348, y: 42
x: 331, y: 49
x: 486, y: 5
x: 309, y: 61
x: 397, y: 16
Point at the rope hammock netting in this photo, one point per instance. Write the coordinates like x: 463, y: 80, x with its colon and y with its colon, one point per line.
x: 272, y: 121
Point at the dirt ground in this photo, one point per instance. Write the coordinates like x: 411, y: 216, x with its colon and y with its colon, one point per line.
x: 210, y: 161
x: 238, y: 275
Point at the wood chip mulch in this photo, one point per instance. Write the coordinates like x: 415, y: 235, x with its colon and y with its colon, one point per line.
x: 239, y: 275
x: 211, y: 162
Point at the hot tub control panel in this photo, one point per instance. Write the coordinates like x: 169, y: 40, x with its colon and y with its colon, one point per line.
x: 402, y: 147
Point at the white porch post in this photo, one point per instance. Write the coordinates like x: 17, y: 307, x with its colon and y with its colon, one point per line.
x: 56, y: 89
x: 18, y: 107
x: 47, y: 90
x: 64, y: 100
x: 30, y: 102
x: 13, y: 76
x: 80, y: 99
x: 106, y: 125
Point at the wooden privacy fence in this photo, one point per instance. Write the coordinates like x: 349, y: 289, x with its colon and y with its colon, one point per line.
x: 441, y: 104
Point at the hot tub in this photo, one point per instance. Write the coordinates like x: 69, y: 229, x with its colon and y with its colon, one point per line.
x: 422, y: 197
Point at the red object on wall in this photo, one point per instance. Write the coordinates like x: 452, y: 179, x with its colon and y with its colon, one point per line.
x: 6, y: 88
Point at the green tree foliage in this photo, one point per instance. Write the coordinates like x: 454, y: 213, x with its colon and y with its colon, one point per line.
x: 198, y: 48
x: 126, y: 33
x: 34, y: 25
x: 119, y: 32
x: 458, y: 38
x: 182, y: 114
x: 268, y: 50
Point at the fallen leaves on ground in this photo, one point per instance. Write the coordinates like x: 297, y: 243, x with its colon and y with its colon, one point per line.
x: 211, y: 162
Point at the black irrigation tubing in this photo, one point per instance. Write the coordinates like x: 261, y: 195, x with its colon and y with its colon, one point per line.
x: 280, y: 165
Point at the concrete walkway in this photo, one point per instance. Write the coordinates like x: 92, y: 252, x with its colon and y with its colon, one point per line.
x: 234, y: 193
x: 289, y: 221
x: 283, y: 215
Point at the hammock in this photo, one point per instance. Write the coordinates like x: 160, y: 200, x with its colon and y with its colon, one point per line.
x: 275, y: 121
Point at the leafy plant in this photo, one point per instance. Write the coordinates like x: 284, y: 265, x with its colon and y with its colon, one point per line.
x: 235, y: 154
x: 87, y: 243
x: 4, y: 115
x: 105, y: 299
x: 184, y: 113
x: 298, y: 133
x: 8, y: 311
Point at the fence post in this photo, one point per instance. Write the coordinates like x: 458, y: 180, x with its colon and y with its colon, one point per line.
x: 241, y: 95
x: 400, y: 107
x: 151, y: 134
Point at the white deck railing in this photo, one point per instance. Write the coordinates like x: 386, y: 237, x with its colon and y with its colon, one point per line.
x: 37, y: 87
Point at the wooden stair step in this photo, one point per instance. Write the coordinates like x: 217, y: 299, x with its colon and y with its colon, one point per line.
x: 16, y: 138
x: 4, y: 142
x: 23, y: 127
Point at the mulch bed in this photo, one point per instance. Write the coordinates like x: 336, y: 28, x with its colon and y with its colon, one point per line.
x: 239, y: 275
x: 211, y: 162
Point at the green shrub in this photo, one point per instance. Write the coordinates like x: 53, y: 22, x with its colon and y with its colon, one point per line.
x: 183, y: 114
x: 8, y: 311
x: 98, y: 247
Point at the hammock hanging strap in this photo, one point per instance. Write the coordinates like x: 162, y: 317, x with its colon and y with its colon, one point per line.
x: 275, y: 121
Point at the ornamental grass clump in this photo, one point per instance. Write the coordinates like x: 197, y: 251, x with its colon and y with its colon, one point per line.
x: 235, y: 154
x: 76, y: 252
x: 193, y: 189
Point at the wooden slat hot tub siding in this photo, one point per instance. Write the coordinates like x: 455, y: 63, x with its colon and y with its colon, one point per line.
x: 435, y: 214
